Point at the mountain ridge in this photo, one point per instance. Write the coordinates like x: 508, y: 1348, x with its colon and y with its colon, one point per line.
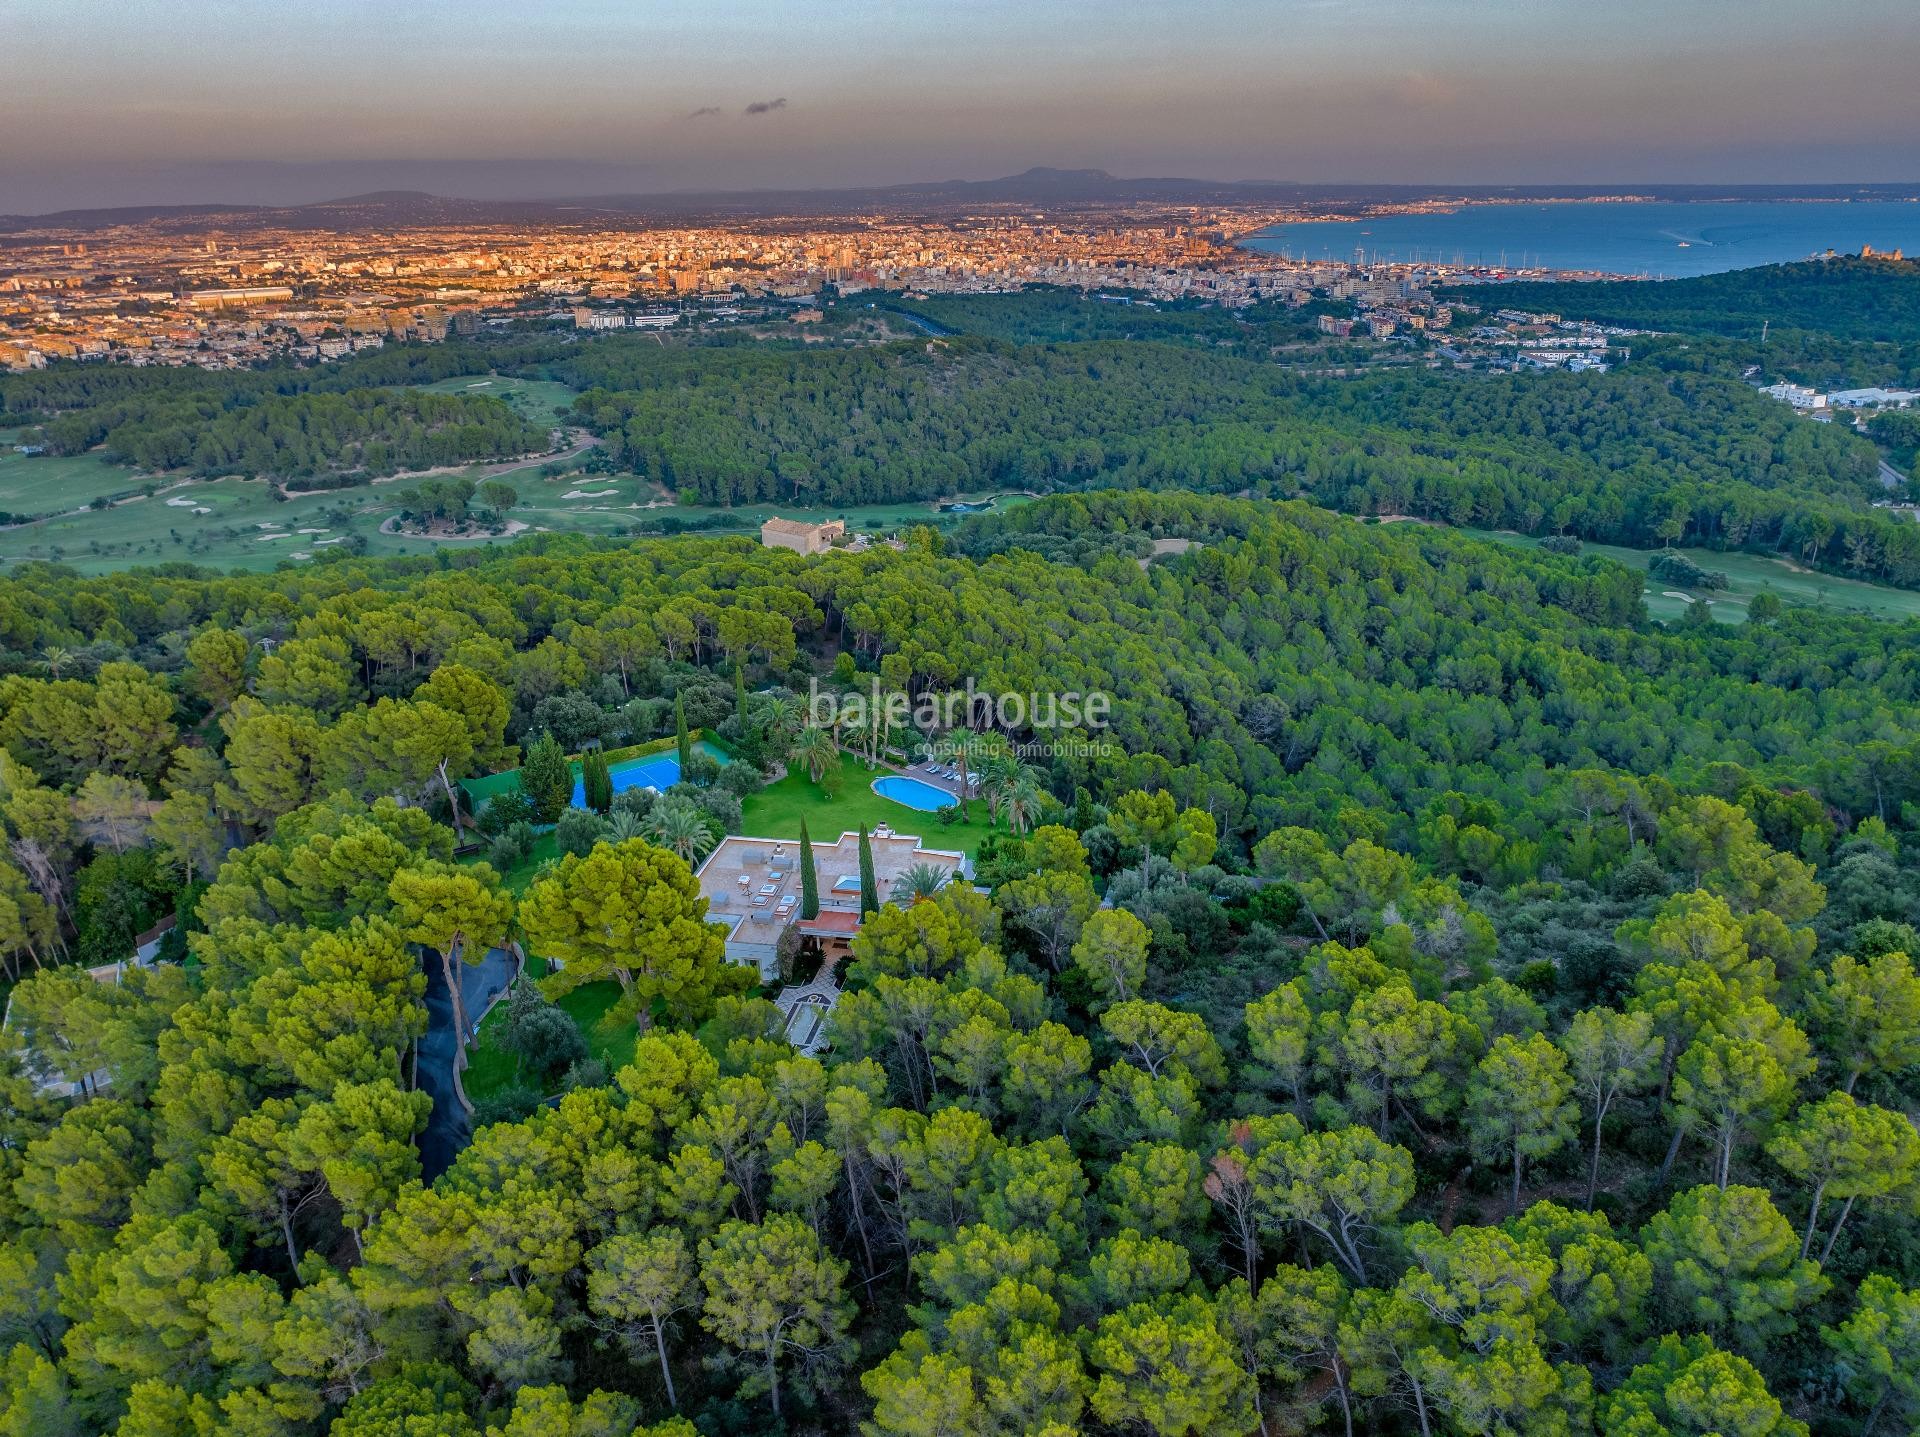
x: 1039, y: 184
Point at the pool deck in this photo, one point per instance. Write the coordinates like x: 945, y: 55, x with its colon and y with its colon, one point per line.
x: 925, y: 774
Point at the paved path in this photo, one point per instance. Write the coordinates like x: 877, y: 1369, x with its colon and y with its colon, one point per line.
x: 448, y: 1127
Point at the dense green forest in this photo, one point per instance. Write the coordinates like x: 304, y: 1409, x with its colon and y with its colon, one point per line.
x: 1046, y: 315
x: 369, y: 432
x: 1846, y: 297
x: 1441, y: 1002
x: 349, y: 418
x: 1817, y: 360
x: 1832, y: 324
x: 1676, y: 448
x: 42, y: 395
x: 1634, y: 458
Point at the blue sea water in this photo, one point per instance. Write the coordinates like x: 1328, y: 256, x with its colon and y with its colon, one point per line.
x: 1661, y: 238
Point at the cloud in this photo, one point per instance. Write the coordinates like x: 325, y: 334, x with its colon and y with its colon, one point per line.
x: 704, y: 110
x: 765, y: 107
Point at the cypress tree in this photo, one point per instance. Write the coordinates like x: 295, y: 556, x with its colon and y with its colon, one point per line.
x: 546, y: 778
x: 809, y: 882
x: 869, y: 890
x: 597, y: 778
x: 684, y: 748
x: 740, y: 697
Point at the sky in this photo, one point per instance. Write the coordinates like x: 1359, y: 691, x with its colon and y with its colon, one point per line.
x: 110, y: 102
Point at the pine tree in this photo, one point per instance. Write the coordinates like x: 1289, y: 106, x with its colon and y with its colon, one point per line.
x: 682, y: 746
x: 869, y: 890
x: 809, y: 880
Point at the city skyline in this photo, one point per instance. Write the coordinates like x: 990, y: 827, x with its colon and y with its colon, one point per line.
x: 246, y: 103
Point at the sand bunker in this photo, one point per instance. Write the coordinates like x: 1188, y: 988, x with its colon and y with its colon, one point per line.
x: 589, y: 493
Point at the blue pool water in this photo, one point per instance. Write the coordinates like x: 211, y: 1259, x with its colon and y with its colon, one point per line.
x: 656, y: 770
x: 913, y: 793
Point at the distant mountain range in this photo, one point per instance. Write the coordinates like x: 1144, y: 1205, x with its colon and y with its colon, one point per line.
x: 1052, y: 188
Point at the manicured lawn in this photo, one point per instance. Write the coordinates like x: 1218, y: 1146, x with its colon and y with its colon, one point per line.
x: 489, y: 1069
x: 233, y: 523
x: 776, y: 811
x: 49, y: 483
x: 1747, y: 575
x: 532, y: 399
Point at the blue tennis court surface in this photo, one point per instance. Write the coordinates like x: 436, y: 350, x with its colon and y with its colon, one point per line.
x: 656, y: 770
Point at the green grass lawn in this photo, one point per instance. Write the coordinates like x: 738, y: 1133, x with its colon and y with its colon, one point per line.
x: 534, y: 399
x: 1749, y: 574
x: 46, y: 484
x: 237, y: 524
x: 490, y: 1069
x: 776, y: 811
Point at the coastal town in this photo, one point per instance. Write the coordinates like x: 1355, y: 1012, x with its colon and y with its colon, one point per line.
x: 228, y: 292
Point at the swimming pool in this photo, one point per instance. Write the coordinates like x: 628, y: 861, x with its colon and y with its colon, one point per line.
x: 913, y: 793
x: 655, y: 770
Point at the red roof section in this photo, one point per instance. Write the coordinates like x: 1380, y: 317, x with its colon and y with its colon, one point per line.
x: 828, y: 924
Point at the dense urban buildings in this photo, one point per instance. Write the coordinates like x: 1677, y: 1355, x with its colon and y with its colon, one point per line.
x: 195, y: 290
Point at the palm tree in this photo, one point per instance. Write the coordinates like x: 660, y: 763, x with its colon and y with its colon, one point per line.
x: 880, y: 730
x: 56, y: 659
x: 623, y: 824
x: 781, y: 714
x: 680, y: 828
x: 1023, y: 801
x: 846, y: 725
x: 817, y: 750
x: 997, y: 771
x: 923, y: 880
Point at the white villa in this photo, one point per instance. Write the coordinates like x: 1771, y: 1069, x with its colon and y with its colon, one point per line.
x: 753, y: 886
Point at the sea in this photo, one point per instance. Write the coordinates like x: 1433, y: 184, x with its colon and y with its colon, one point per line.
x: 1662, y: 239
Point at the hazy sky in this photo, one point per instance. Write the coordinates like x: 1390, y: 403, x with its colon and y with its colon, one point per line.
x: 144, y: 101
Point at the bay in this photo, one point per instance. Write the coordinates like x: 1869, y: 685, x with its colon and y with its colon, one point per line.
x: 1663, y: 239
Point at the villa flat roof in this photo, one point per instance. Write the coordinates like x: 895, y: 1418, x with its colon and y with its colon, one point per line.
x: 751, y: 875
